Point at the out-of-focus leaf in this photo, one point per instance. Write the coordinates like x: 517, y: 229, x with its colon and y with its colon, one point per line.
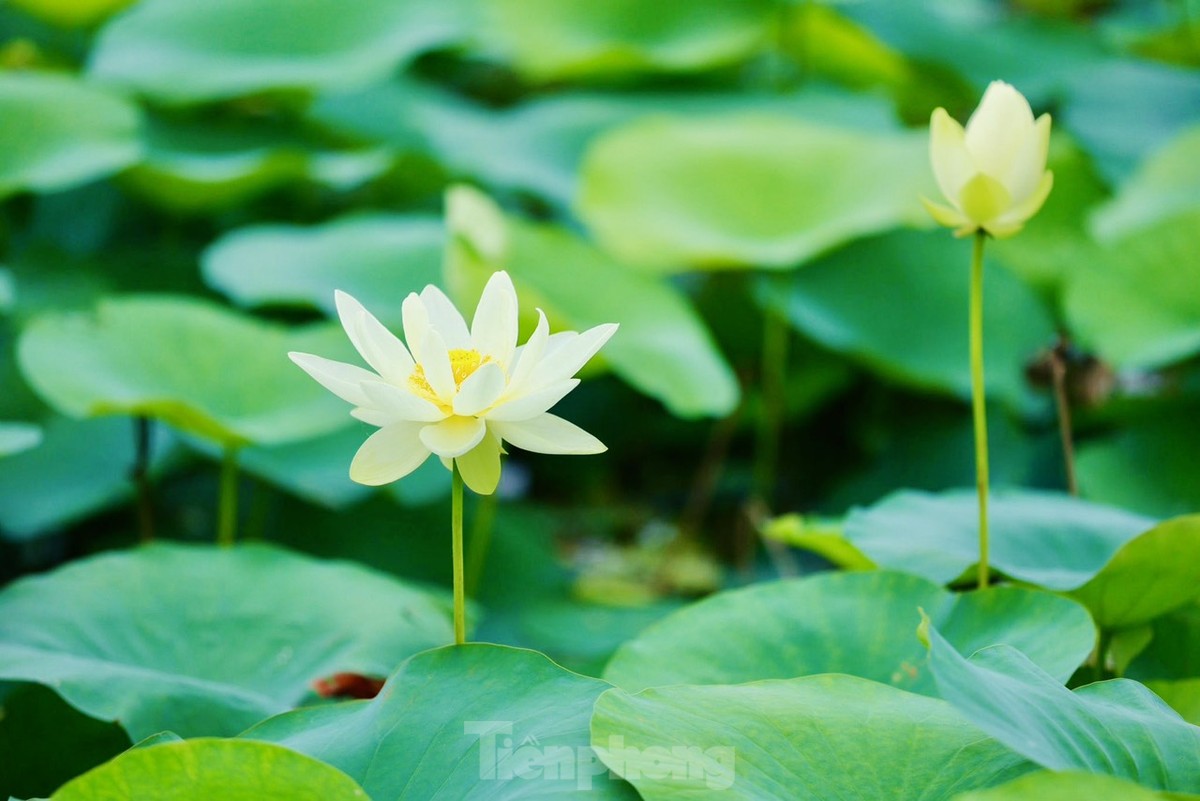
x: 474, y: 721
x: 549, y: 39
x: 377, y: 259
x: 234, y: 770
x: 1054, y: 541
x: 71, y: 13
x: 749, y: 190
x: 1068, y: 787
x: 1166, y: 184
x: 854, y: 623
x: 824, y: 42
x: 1135, y: 303
x: 80, y: 467
x: 17, y: 437
x: 59, y: 132
x: 204, y: 641
x: 201, y: 170
x: 180, y: 51
x: 195, y: 365
x: 899, y: 304
x: 662, y: 347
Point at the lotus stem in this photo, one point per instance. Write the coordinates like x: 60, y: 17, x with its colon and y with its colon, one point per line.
x: 456, y: 532
x: 979, y: 401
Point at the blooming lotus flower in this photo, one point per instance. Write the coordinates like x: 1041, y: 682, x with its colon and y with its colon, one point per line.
x: 993, y: 173
x: 455, y: 392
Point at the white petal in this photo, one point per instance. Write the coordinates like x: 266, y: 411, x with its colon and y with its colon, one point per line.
x: 400, y: 405
x: 454, y: 436
x: 952, y: 165
x: 530, y: 354
x: 379, y: 347
x: 416, y: 324
x: 533, y: 404
x: 494, y: 328
x: 480, y: 390
x: 480, y: 466
x: 341, y: 379
x: 563, y: 362
x: 436, y: 363
x: 998, y: 128
x: 548, y: 434
x: 1029, y: 165
x: 445, y: 319
x: 389, y: 454
x: 372, y: 416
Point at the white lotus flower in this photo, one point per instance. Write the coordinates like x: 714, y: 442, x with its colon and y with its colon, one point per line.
x: 455, y: 392
x: 993, y: 172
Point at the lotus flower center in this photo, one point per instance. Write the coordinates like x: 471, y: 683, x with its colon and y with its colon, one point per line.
x: 462, y: 364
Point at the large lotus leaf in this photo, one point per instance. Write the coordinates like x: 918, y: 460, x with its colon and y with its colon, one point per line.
x: 45, y: 742
x: 1115, y: 728
x: 378, y: 259
x: 462, y: 722
x: 854, y: 623
x: 17, y: 437
x: 898, y: 303
x: 179, y: 51
x: 1152, y: 574
x: 200, y: 367
x: 538, y: 145
x: 1134, y: 302
x: 662, y: 347
x: 1047, y: 786
x: 205, y: 641
x: 748, y: 190
x: 550, y: 39
x: 1170, y: 663
x: 1102, y: 99
x: 202, y: 169
x: 1165, y: 184
x: 80, y: 467
x: 1050, y: 540
x: 233, y: 770
x: 71, y: 12
x: 817, y: 738
x: 60, y: 132
x: 1145, y: 465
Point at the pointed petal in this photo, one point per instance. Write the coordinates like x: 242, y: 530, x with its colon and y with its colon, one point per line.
x: 481, y: 389
x: 454, y: 436
x: 343, y: 380
x: 952, y: 218
x: 372, y: 416
x: 494, y: 328
x: 983, y: 199
x: 530, y: 354
x: 997, y: 129
x: 1025, y: 177
x: 445, y: 319
x: 533, y: 404
x: 561, y: 363
x: 480, y: 466
x: 436, y: 364
x: 952, y: 166
x: 378, y: 346
x: 548, y: 434
x: 416, y: 324
x: 1015, y: 218
x: 399, y: 405
x: 389, y: 454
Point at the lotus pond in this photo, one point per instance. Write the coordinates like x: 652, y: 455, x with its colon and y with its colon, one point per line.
x: 513, y: 399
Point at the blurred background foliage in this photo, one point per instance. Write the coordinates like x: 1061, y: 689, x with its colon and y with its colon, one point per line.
x: 735, y: 181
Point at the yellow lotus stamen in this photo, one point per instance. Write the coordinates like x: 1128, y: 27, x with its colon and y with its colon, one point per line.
x: 462, y: 364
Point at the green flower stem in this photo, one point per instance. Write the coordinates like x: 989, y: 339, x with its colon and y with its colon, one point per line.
x: 227, y: 502
x: 481, y: 540
x: 979, y: 402
x: 1058, y: 372
x: 456, y: 532
x: 770, y: 422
